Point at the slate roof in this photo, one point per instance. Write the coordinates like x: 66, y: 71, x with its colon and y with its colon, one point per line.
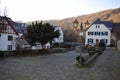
x: 19, y: 27
x: 108, y: 24
x: 7, y: 18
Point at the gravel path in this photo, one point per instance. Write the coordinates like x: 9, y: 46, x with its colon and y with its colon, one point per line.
x: 60, y: 66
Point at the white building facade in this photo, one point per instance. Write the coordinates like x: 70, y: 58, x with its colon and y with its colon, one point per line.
x: 7, y: 42
x: 7, y: 35
x: 60, y: 38
x: 11, y: 34
x: 99, y: 30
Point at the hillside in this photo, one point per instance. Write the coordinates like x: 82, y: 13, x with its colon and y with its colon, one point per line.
x: 67, y: 23
x: 112, y: 14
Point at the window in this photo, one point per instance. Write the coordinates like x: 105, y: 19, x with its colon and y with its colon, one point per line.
x: 97, y: 26
x: 9, y: 47
x: 90, y: 33
x: 90, y: 40
x: 95, y: 33
x: 99, y: 33
x: 106, y: 41
x: 10, y: 38
x: 104, y: 33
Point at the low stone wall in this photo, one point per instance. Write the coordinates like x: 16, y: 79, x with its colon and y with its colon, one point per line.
x: 20, y: 53
x: 31, y: 52
x: 58, y: 50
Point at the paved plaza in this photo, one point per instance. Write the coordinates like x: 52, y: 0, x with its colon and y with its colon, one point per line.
x: 60, y: 66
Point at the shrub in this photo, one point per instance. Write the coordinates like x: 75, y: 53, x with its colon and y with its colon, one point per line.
x: 78, y: 59
x: 91, y: 52
x: 102, y: 48
x: 102, y: 45
x: 99, y: 51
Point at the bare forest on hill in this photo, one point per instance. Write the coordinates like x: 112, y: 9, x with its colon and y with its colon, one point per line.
x: 67, y: 24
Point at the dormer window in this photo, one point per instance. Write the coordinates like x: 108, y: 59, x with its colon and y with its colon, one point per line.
x: 97, y: 26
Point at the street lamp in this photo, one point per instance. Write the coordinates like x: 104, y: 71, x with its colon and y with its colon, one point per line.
x: 75, y: 23
x: 87, y: 24
x: 79, y: 28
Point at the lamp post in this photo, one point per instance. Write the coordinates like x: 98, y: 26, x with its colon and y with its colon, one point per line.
x: 87, y: 24
x: 79, y: 28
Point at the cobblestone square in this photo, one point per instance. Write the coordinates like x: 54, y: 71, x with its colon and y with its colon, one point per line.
x: 60, y: 66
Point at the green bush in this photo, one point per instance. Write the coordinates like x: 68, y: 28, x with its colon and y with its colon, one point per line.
x: 91, y: 48
x: 91, y: 52
x: 78, y: 60
x: 102, y: 45
x: 99, y: 51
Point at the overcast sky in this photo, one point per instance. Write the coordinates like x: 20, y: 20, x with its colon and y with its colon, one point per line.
x: 29, y: 10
